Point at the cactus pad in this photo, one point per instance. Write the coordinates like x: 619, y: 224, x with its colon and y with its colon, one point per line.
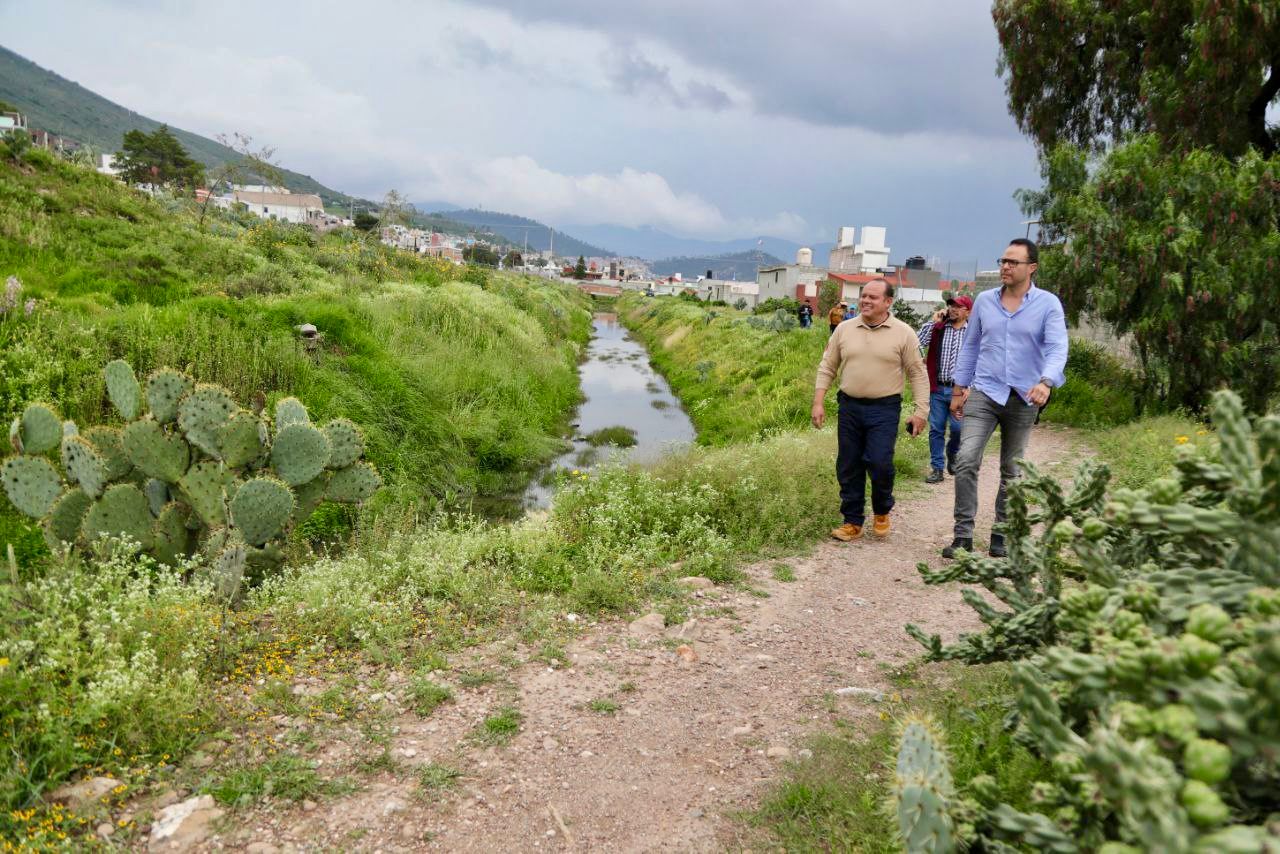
x: 62, y: 525
x: 228, y: 571
x: 308, y: 496
x: 157, y: 492
x: 31, y: 483
x: 121, y: 512
x: 353, y: 484
x: 172, y: 538
x: 155, y: 453
x: 165, y: 388
x: 299, y: 453
x: 289, y: 410
x: 69, y: 428
x: 84, y: 465
x: 239, y: 440
x: 202, y: 413
x: 123, y: 389
x: 204, y: 486
x: 39, y: 430
x: 345, y: 441
x: 260, y: 509
x: 107, y: 441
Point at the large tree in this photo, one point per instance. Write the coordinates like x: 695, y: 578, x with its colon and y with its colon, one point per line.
x: 159, y: 159
x: 1162, y: 182
x: 1198, y: 73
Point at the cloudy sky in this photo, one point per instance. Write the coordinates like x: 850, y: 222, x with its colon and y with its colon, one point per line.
x: 708, y: 119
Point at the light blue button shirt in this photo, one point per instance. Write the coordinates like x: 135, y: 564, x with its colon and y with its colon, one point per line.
x: 1010, y: 351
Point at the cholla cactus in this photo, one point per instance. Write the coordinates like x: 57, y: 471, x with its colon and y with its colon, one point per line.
x: 196, y: 474
x: 1148, y: 628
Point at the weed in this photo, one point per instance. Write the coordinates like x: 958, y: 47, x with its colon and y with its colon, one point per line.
x: 623, y: 437
x: 501, y: 727
x: 603, y: 706
x: 284, y: 776
x: 552, y: 653
x: 783, y: 572
x: 425, y: 696
x: 380, y: 762
x: 437, y: 776
x: 627, y: 687
x: 476, y: 678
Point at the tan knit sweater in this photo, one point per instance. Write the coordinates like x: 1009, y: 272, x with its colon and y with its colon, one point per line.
x: 874, y: 362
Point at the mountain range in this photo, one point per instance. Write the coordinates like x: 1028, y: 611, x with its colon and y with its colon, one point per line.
x: 519, y: 229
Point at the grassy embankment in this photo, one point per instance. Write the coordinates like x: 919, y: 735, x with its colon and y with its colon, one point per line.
x: 460, y: 389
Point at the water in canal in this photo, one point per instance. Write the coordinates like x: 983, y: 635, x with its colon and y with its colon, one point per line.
x: 620, y: 389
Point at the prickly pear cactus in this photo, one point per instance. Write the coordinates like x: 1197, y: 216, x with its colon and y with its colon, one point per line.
x: 1145, y: 630
x: 195, y: 476
x: 923, y: 790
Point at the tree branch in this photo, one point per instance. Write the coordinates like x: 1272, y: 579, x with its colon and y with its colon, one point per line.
x: 1257, y: 115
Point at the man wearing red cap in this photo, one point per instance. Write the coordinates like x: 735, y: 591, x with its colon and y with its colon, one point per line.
x: 941, y: 339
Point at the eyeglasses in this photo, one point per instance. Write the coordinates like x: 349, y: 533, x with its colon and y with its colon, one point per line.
x: 1011, y: 262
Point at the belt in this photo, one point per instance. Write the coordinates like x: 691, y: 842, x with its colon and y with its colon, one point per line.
x: 893, y: 398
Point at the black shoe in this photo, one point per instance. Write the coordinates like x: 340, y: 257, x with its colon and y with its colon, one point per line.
x: 934, y: 476
x: 957, y: 544
x: 951, y: 466
x: 997, y: 548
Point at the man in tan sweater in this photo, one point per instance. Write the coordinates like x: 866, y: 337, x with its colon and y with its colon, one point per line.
x: 873, y: 353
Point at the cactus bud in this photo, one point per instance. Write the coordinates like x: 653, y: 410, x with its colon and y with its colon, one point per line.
x: 1204, y: 807
x: 1206, y: 760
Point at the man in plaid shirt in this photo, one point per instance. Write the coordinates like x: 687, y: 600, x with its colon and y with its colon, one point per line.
x: 941, y: 339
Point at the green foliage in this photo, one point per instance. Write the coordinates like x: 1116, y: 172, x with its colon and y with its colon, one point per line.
x: 482, y: 254
x: 780, y: 321
x: 1145, y: 627
x: 286, y: 776
x: 500, y: 727
x: 1161, y: 245
x: 769, y: 306
x: 232, y: 478
x: 908, y: 315
x: 1091, y: 72
x: 623, y: 437
x: 425, y: 696
x: 365, y: 221
x: 580, y: 269
x: 1100, y: 391
x: 158, y: 158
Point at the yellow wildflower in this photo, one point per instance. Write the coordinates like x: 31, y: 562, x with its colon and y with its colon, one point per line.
x: 1181, y: 440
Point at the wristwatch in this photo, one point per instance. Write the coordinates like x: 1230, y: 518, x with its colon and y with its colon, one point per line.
x: 1047, y: 381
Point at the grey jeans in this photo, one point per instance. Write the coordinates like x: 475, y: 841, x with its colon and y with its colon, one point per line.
x: 981, y: 417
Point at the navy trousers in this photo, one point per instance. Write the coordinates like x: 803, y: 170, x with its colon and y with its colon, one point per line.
x: 866, y: 433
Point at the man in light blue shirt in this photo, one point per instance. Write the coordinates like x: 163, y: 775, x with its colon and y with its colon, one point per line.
x: 1014, y: 354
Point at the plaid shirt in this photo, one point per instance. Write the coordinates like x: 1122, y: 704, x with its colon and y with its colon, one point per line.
x: 952, y: 339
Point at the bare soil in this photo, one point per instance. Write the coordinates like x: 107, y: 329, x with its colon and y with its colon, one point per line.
x: 707, y: 711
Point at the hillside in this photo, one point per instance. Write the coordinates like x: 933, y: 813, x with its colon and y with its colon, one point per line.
x: 654, y: 244
x: 733, y: 265
x: 515, y: 228
x: 66, y: 108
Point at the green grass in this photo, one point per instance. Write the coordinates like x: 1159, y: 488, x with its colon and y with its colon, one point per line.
x: 437, y: 776
x: 623, y: 437
x: 604, y: 706
x: 476, y: 678
x: 783, y: 572
x: 500, y: 727
x: 426, y: 696
x: 283, y: 776
x: 836, y: 800
x: 1139, y: 453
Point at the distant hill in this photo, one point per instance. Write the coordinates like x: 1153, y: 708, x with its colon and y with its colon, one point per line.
x: 733, y: 265
x: 514, y: 228
x: 653, y: 243
x: 58, y: 105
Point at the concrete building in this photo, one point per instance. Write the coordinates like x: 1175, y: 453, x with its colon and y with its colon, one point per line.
x: 10, y: 122
x: 793, y: 281
x: 290, y: 207
x: 851, y: 256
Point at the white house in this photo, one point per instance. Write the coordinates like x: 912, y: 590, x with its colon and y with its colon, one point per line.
x: 850, y: 256
x: 291, y: 207
x: 794, y: 281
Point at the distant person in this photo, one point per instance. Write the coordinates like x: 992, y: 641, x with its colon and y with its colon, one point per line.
x: 872, y: 354
x: 805, y: 313
x: 850, y: 312
x: 941, y: 339
x: 1014, y: 355
x: 836, y: 315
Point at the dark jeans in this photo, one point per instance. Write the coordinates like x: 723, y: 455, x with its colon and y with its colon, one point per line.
x: 866, y: 433
x: 940, y: 418
x: 982, y: 416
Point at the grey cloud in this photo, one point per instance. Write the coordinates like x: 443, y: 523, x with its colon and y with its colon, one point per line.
x: 923, y: 66
x: 633, y: 74
x: 474, y: 51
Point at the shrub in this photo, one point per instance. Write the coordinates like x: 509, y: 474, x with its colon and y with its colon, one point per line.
x: 1145, y: 630
x: 1100, y: 390
x: 773, y: 304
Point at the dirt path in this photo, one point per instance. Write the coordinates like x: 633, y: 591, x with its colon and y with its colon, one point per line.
x: 694, y: 736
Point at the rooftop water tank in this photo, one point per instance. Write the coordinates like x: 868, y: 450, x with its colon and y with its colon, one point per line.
x: 804, y: 256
